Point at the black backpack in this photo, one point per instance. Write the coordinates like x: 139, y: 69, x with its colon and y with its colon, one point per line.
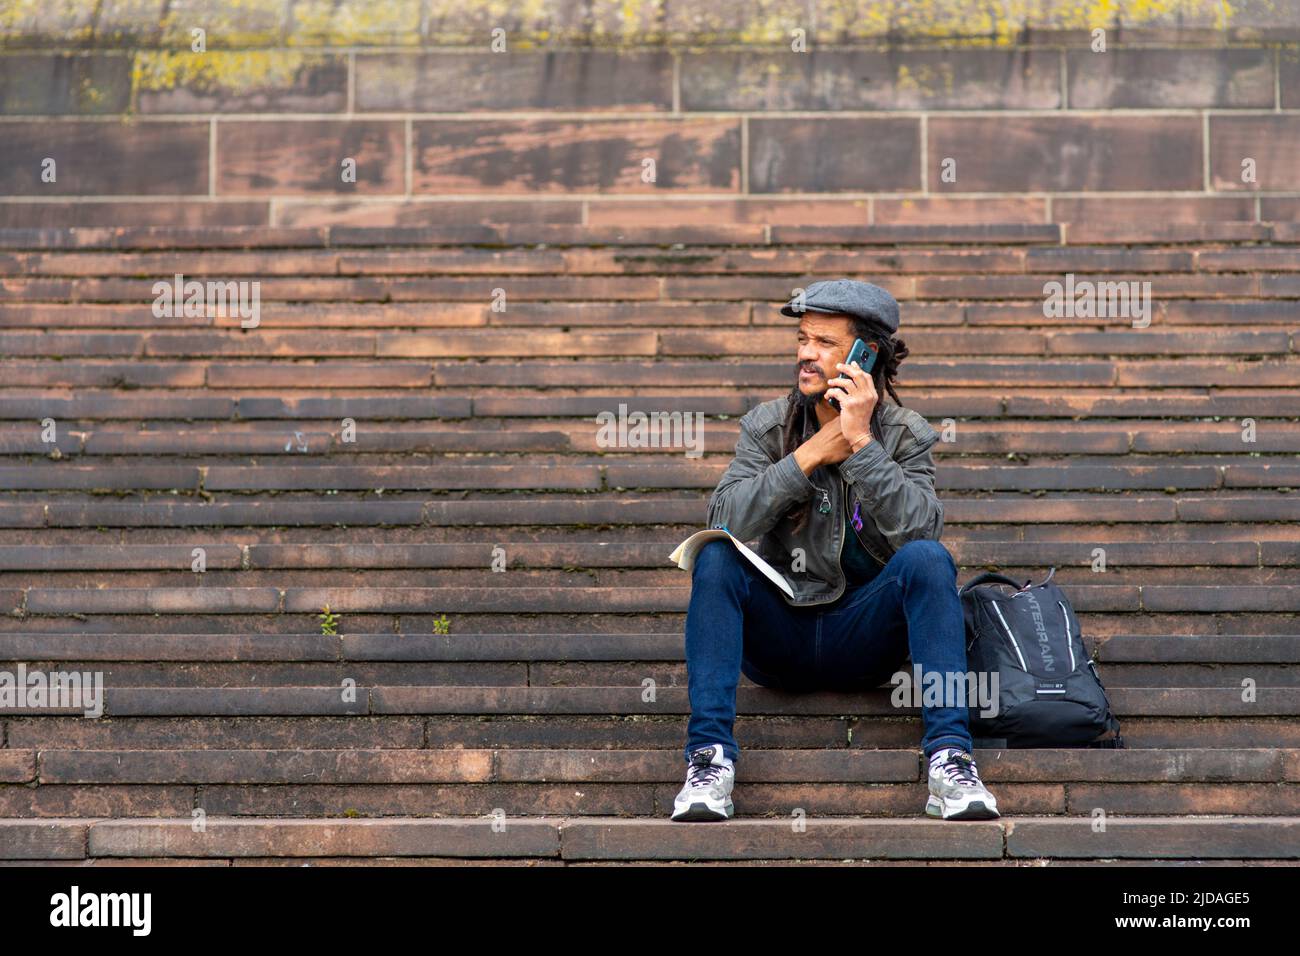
x: 1049, y: 692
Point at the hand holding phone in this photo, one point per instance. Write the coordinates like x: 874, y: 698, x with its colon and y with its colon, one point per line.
x: 864, y: 353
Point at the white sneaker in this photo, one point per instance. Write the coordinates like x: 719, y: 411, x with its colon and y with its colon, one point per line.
x: 707, y: 794
x: 956, y: 792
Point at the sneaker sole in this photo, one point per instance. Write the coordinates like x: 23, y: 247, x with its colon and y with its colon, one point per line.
x: 703, y: 812
x: 975, y: 810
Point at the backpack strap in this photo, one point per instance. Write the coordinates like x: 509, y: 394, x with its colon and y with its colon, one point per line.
x: 1002, y: 579
x: 989, y: 576
x: 1112, y: 722
x: 1111, y: 743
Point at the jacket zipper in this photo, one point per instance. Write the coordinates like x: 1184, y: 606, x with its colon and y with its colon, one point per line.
x: 844, y: 497
x: 826, y: 500
x: 844, y: 581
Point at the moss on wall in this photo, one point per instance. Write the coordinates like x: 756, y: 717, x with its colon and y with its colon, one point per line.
x: 244, y: 24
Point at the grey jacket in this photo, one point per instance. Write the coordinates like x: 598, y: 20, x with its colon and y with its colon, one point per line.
x: 892, y: 479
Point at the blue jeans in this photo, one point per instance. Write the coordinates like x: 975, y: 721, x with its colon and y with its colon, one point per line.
x: 738, y: 621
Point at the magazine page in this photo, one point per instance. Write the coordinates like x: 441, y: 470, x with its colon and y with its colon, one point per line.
x: 684, y: 555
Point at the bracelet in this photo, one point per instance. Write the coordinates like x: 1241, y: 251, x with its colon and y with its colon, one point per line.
x: 866, y: 435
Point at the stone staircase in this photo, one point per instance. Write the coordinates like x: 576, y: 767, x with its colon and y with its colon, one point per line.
x: 383, y: 436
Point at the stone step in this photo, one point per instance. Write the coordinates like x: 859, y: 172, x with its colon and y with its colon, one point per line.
x: 525, y: 556
x: 525, y: 473
x: 576, y: 598
x: 1134, y: 512
x: 522, y: 555
x: 149, y: 673
x: 1164, y: 651
x: 569, y: 839
x: 1139, y: 289
x: 756, y: 731
x: 566, y: 436
x: 1143, y: 538
x: 564, y: 234
x: 1169, y: 317
x: 472, y: 766
x: 1093, y: 396
x: 626, y: 700
x: 1103, y: 592
x: 1152, y: 581
x: 701, y: 258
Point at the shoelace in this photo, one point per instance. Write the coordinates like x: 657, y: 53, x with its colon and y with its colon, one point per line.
x: 960, y: 768
x: 703, y: 773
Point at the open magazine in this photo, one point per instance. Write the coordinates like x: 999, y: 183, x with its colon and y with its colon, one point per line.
x: 684, y: 555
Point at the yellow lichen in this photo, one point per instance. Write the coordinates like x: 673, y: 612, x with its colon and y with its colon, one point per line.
x: 231, y: 71
x: 243, y: 24
x: 925, y: 79
x: 331, y: 23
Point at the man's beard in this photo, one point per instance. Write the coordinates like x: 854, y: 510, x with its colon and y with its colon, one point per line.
x: 799, y: 399
x: 809, y: 402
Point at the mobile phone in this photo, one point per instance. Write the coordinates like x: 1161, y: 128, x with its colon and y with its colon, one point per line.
x: 864, y: 353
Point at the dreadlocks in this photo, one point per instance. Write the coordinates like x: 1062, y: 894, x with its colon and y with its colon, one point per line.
x: 891, y: 352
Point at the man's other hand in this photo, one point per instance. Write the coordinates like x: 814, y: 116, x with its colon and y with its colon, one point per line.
x: 827, y: 447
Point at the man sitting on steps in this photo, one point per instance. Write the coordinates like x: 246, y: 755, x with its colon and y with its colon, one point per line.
x: 843, y: 503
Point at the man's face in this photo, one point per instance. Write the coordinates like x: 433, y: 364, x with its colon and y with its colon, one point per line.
x: 823, y: 340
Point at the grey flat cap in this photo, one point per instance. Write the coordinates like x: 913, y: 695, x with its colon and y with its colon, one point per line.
x: 849, y: 296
